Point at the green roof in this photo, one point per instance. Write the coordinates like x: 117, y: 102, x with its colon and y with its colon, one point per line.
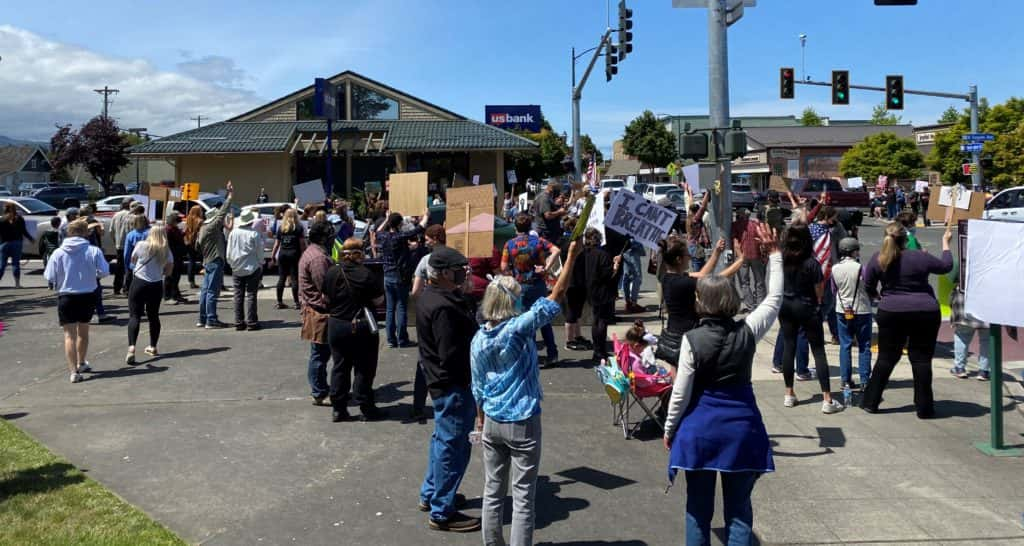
x: 278, y: 136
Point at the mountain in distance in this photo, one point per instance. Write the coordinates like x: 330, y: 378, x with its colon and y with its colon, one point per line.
x: 8, y: 141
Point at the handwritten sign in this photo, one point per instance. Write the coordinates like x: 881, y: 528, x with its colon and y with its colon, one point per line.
x: 632, y: 215
x: 309, y: 192
x: 407, y: 194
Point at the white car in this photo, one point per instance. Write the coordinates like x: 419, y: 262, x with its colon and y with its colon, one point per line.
x: 655, y: 192
x: 614, y: 184
x: 1007, y: 205
x: 113, y: 203
x: 35, y: 212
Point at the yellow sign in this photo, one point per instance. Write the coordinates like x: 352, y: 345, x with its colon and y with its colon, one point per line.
x: 190, y: 191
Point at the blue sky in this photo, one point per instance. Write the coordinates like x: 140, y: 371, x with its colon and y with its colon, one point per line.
x: 174, y: 60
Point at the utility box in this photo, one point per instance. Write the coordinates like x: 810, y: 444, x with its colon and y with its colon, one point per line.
x: 735, y: 143
x: 693, y: 146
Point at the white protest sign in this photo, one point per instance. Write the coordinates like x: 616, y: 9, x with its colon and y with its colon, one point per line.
x: 920, y: 185
x: 632, y: 215
x: 692, y: 175
x: 596, y: 219
x: 523, y: 203
x: 476, y: 179
x: 855, y: 182
x: 309, y: 192
x: 511, y: 176
x: 994, y: 285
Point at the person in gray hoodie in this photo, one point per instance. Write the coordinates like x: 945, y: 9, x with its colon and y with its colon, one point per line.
x: 74, y: 269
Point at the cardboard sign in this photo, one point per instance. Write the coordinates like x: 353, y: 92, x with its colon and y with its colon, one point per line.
x: 407, y: 193
x: 632, y: 215
x: 941, y: 213
x: 469, y: 220
x: 778, y: 183
x: 994, y: 286
x: 309, y: 192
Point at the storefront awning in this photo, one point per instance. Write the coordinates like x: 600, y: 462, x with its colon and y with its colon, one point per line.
x: 751, y: 169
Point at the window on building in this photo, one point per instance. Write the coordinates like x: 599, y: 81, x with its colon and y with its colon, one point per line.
x: 369, y: 104
x: 304, y: 108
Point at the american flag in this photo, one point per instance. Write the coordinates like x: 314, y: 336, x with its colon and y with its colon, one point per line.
x: 822, y: 235
x: 592, y: 174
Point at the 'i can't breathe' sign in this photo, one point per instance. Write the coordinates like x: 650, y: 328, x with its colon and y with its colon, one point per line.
x: 630, y: 214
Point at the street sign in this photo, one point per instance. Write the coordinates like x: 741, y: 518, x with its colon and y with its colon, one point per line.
x: 972, y: 147
x: 325, y: 99
x: 970, y: 168
x: 190, y: 191
x: 978, y: 137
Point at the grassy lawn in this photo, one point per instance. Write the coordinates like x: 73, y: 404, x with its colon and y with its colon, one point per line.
x: 46, y: 500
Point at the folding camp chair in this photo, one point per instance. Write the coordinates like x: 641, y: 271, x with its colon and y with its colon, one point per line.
x: 642, y: 388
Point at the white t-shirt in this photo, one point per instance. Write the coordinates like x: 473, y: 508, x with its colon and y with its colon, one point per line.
x: 422, y: 268
x: 146, y: 267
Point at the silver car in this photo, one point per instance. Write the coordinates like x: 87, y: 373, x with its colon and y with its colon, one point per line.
x: 34, y: 212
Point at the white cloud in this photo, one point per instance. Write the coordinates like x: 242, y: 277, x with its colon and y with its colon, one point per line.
x: 43, y: 82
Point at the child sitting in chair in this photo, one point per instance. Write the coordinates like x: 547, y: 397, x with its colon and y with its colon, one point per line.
x: 642, y: 344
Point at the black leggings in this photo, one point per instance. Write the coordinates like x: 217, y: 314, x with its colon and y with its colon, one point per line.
x: 144, y: 296
x: 288, y: 266
x: 793, y: 316
x: 603, y: 314
x: 917, y: 331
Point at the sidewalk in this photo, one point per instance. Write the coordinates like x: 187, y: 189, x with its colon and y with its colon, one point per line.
x: 217, y: 439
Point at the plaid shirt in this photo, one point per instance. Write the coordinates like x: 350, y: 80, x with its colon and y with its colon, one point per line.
x: 394, y: 250
x: 522, y: 254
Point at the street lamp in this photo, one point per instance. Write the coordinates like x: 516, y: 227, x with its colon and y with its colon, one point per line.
x: 803, y: 57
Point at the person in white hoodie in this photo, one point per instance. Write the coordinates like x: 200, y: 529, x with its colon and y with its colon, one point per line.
x: 74, y: 270
x: 245, y: 256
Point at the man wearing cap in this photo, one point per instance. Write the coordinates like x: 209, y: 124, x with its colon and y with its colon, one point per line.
x: 342, y: 231
x: 853, y: 313
x: 245, y: 256
x: 212, y: 245
x: 445, y: 325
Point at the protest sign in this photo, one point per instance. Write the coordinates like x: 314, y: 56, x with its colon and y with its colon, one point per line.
x: 476, y: 179
x: 855, y: 182
x: 994, y: 286
x: 469, y: 220
x: 309, y: 192
x: 372, y: 187
x: 510, y: 175
x: 632, y: 215
x: 778, y: 183
x: 523, y: 203
x: 596, y: 219
x: 920, y: 185
x: 692, y: 175
x: 408, y: 193
x: 881, y: 183
x: 944, y: 206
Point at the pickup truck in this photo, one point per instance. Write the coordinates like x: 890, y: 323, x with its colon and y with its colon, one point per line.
x: 835, y: 194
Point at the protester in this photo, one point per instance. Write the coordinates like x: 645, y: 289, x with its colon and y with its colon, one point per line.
x: 891, y: 205
x: 853, y: 314
x: 70, y: 215
x: 193, y: 222
x: 313, y: 267
x: 120, y: 225
x: 351, y: 291
x: 445, y: 326
x: 73, y: 270
x: 826, y: 233
x: 697, y: 239
x: 212, y: 245
x: 908, y: 314
x: 151, y: 260
x: 245, y: 256
x: 908, y: 220
x: 601, y: 272
x: 548, y: 212
x: 506, y: 387
x: 965, y: 325
x: 394, y: 249
x: 751, y: 274
x: 925, y: 198
x: 714, y: 426
x: 139, y: 231
x: 179, y: 250
x: 528, y: 258
x: 508, y: 206
x: 262, y: 197
x: 633, y: 275
x: 50, y: 240
x: 289, y: 244
x: 804, y: 289
x: 773, y: 215
x: 434, y: 237
x: 13, y: 232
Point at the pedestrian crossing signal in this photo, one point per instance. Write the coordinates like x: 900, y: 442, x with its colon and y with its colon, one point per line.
x: 190, y: 191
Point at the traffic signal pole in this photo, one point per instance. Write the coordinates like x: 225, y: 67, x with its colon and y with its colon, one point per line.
x: 577, y: 94
x: 718, y: 113
x: 971, y: 97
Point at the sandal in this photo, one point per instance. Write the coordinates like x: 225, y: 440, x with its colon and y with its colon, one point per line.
x: 151, y: 351
x: 129, y: 359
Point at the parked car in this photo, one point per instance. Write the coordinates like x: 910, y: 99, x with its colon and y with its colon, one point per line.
x: 743, y: 196
x: 1007, y: 205
x: 640, y: 187
x: 835, y: 194
x: 676, y: 200
x: 654, y: 192
x: 614, y: 184
x: 5, y: 193
x: 206, y: 201
x: 113, y: 203
x: 63, y: 196
x: 34, y: 212
x: 26, y: 189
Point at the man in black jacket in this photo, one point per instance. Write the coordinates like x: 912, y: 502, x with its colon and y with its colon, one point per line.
x: 445, y: 325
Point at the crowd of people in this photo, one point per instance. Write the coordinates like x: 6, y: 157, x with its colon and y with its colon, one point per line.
x: 476, y: 321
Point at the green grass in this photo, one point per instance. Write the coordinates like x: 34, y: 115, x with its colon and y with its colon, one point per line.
x: 45, y: 500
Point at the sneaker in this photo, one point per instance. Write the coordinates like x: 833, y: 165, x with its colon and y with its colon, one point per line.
x: 789, y: 401
x: 585, y: 343
x: 104, y: 318
x: 960, y: 373
x: 77, y: 378
x: 215, y: 325
x: 280, y: 306
x: 831, y: 407
x: 200, y: 325
x: 370, y: 413
x: 573, y: 345
x: 84, y: 367
x: 776, y: 369
x: 460, y: 503
x: 321, y: 401
x: 253, y: 327
x: 240, y: 326
x: 804, y: 376
x: 982, y: 376
x: 129, y: 359
x: 407, y: 345
x: 338, y: 416
x: 151, y: 351
x: 456, y: 523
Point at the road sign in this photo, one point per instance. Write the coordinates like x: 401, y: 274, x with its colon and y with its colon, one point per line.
x: 978, y: 137
x: 190, y: 191
x: 970, y: 168
x: 972, y: 147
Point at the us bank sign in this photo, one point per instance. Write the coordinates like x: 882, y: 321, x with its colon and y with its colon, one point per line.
x: 514, y: 118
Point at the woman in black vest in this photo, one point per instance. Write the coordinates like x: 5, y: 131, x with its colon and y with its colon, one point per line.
x: 601, y: 274
x: 713, y: 425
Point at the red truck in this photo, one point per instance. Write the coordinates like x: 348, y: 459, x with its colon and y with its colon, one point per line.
x: 851, y: 204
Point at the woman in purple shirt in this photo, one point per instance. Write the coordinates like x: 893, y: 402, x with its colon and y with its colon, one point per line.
x: 908, y: 314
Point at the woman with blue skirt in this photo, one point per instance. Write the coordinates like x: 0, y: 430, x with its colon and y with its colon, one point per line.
x: 713, y: 425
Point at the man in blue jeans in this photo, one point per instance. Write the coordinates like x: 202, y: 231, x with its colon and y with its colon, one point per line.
x: 445, y: 325
x: 528, y: 257
x: 394, y: 250
x: 852, y: 311
x: 213, y: 246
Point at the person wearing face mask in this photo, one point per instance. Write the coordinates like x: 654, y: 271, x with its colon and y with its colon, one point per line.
x: 445, y: 325
x: 351, y: 290
x: 435, y: 237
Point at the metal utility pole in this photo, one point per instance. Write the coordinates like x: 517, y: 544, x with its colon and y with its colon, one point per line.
x: 199, y: 120
x: 106, y: 92
x: 718, y: 112
x: 577, y: 94
x: 137, y: 131
x: 803, y: 56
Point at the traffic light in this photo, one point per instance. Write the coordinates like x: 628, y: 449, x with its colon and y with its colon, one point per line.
x: 610, y: 60
x: 894, y: 92
x: 625, y: 36
x: 786, y: 83
x: 840, y: 87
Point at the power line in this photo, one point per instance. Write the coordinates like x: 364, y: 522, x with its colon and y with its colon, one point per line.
x: 199, y: 120
x: 106, y: 92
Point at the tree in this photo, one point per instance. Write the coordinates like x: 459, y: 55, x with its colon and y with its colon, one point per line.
x: 882, y: 154
x: 1006, y: 122
x: 649, y: 140
x: 64, y: 149
x: 950, y: 115
x: 588, y: 148
x: 99, y: 146
x: 881, y: 116
x: 547, y: 161
x: 810, y: 118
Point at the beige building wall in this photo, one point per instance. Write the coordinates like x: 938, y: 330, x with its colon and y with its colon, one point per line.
x: 248, y: 172
x: 409, y: 111
x: 282, y: 113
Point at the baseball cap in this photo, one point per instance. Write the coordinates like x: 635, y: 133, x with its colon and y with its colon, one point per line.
x: 444, y: 257
x: 848, y: 245
x: 334, y: 219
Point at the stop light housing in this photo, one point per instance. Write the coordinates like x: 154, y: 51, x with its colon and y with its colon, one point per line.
x: 894, y: 92
x: 840, y: 87
x: 625, y: 25
x: 693, y: 145
x: 787, y: 83
x: 610, y: 62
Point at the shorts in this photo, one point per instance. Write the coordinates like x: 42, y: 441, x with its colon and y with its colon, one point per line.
x: 574, y: 300
x: 75, y: 308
